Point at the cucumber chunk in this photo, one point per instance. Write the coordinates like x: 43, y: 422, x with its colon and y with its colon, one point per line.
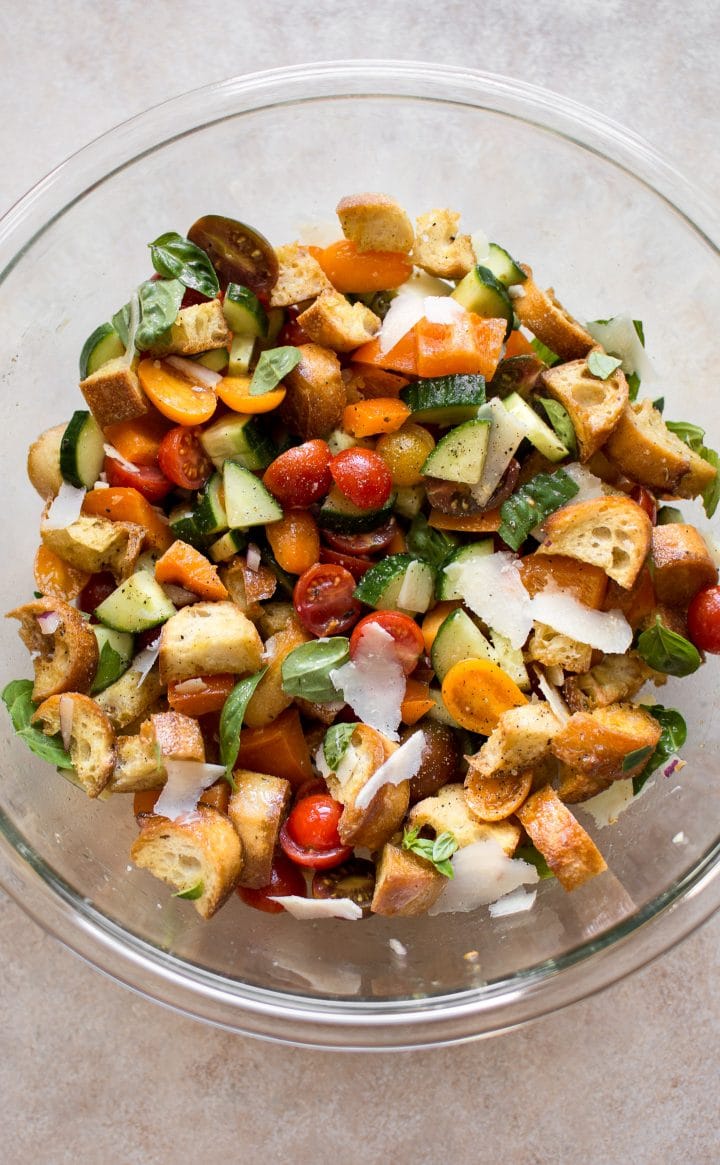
x: 241, y: 354
x: 229, y: 545
x: 247, y: 502
x: 337, y: 513
x: 481, y: 292
x: 216, y: 360
x: 244, y: 314
x: 209, y: 515
x: 505, y: 269
x: 445, y: 400
x: 538, y: 434
x: 450, y: 575
x: 237, y: 438
x: 137, y: 604
x: 458, y: 639
x: 460, y: 454
x: 115, y: 650
x: 102, y: 345
x: 398, y: 583
x: 184, y: 526
x: 82, y: 452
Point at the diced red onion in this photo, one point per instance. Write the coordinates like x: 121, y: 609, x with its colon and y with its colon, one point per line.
x: 205, y: 377
x: 48, y: 622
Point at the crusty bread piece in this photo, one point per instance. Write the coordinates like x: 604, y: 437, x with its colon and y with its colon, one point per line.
x: 375, y: 222
x: 95, y: 544
x: 43, y: 462
x: 593, y: 405
x: 547, y: 319
x: 113, y: 393
x: 138, y: 763
x: 300, y: 276
x: 700, y: 475
x: 197, y: 329
x: 553, y: 649
x: 642, y: 446
x: 569, y: 851
x: 269, y: 698
x: 247, y: 588
x: 494, y: 799
x: 405, y: 884
x: 275, y: 616
x: 681, y: 564
x: 66, y: 659
x: 202, y: 848
x: 257, y: 809
x: 334, y: 322
x: 208, y: 639
x: 92, y: 739
x: 448, y: 810
x: 375, y: 824
x: 129, y: 697
x: 440, y: 249
x: 316, y: 396
x: 178, y: 736
x: 574, y: 786
x: 615, y: 679
x: 610, y: 532
x: 522, y: 738
x: 598, y: 742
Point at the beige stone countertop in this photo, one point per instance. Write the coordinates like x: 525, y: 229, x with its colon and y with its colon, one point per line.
x: 90, y: 1073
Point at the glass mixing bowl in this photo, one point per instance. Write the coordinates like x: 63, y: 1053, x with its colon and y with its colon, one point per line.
x: 614, y: 229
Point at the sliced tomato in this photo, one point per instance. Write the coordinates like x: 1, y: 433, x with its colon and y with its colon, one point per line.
x: 311, y: 858
x: 313, y: 822
x: 285, y: 878
x: 409, y: 642
x: 324, y: 600
x: 95, y: 591
x: 148, y: 480
x: 291, y: 333
x: 362, y: 477
x: 300, y: 476
x: 704, y: 620
x: 183, y: 459
x: 356, y: 564
x: 371, y: 542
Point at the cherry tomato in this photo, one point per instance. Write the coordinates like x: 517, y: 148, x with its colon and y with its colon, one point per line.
x: 285, y: 878
x: 183, y: 459
x: 313, y: 822
x: 645, y: 500
x: 95, y: 591
x: 371, y: 542
x: 704, y: 620
x: 354, y: 879
x: 357, y: 565
x: 300, y: 476
x: 291, y: 333
x: 324, y: 600
x: 148, y: 480
x: 147, y: 638
x: 192, y: 298
x: 362, y: 476
x: 238, y: 253
x: 409, y: 642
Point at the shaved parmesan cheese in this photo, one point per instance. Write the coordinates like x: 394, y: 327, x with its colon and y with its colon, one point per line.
x: 145, y: 659
x: 401, y: 766
x: 589, y: 485
x: 319, y: 907
x: 514, y: 903
x: 483, y: 873
x: 492, y: 588
x: 416, y: 592
x: 606, y: 807
x: 196, y: 684
x: 66, y: 709
x: 403, y: 313
x: 480, y: 244
x: 516, y: 291
x: 373, y: 683
x: 552, y: 696
x: 506, y: 433
x: 195, y: 372
x: 608, y: 631
x: 443, y: 310
x: 186, y: 780
x: 65, y: 509
x: 111, y: 451
x: 420, y: 285
x: 619, y: 338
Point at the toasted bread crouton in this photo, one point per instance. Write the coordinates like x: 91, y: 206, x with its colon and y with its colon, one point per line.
x: 698, y: 478
x: 600, y: 741
x: 201, y: 849
x: 274, y: 617
x: 199, y: 328
x: 300, y: 276
x: 405, y: 884
x: 610, y: 532
x: 334, y: 322
x: 681, y: 564
x: 569, y: 851
x: 644, y: 449
x: 448, y: 811
x: 635, y: 602
x: 378, y: 821
x: 207, y: 639
x: 594, y: 406
x: 92, y: 739
x: 269, y: 698
x: 95, y: 544
x: 522, y: 738
x: 574, y: 786
x: 547, y: 319
x: 113, y: 393
x: 315, y: 397
x: 375, y: 222
x: 248, y: 588
x: 65, y: 658
x: 138, y: 762
x: 257, y: 809
x: 129, y: 697
x: 43, y: 462
x: 178, y: 736
x: 615, y: 679
x: 553, y: 649
x: 440, y: 249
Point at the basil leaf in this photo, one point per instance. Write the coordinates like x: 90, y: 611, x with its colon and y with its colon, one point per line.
x: 306, y: 670
x: 666, y: 515
x: 528, y: 853
x: 691, y: 434
x: 177, y: 258
x: 17, y: 697
x: 694, y: 437
x: 633, y: 383
x: 659, y: 404
x: 637, y: 324
x: 532, y: 503
x: 335, y: 744
x: 231, y: 719
x: 635, y: 758
x: 272, y: 367
x: 444, y: 847
x: 111, y: 666
x: 601, y: 365
x: 436, y: 852
x: 672, y: 738
x: 159, y: 303
x: 668, y: 652
x: 546, y: 354
x: 559, y: 418
x: 430, y: 545
x: 194, y: 892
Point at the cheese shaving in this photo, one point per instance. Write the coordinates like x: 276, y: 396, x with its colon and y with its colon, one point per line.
x: 552, y: 696
x: 373, y: 683
x: 443, y: 310
x: 493, y: 590
x: 401, y: 766
x: 515, y: 902
x: 186, y: 780
x: 195, y: 372
x: 145, y: 660
x: 112, y: 452
x: 608, y: 631
x: 65, y: 509
x: 303, y: 908
x: 483, y: 873
x: 606, y: 807
x: 402, y: 315
x: 619, y: 338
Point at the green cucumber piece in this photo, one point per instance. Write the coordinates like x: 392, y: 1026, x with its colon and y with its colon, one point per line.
x: 449, y: 584
x: 458, y: 638
x: 545, y: 440
x: 184, y: 526
x: 209, y: 515
x: 82, y: 452
x: 229, y: 545
x: 137, y: 604
x: 247, y: 502
x: 244, y: 314
x: 337, y: 513
x: 276, y: 322
x: 102, y: 345
x: 505, y: 269
x: 398, y: 583
x: 439, y: 712
x: 237, y: 438
x: 445, y: 400
x: 115, y: 650
x: 510, y: 659
x: 216, y: 360
x: 481, y: 292
x: 241, y: 354
x: 460, y: 454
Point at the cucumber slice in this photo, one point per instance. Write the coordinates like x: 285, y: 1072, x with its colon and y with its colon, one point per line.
x: 458, y: 639
x: 102, y: 345
x: 115, y: 652
x: 184, y: 526
x: 244, y: 314
x: 398, y: 583
x: 247, y: 501
x: 337, y: 513
x: 460, y: 454
x: 481, y: 292
x: 450, y: 575
x: 439, y: 712
x: 227, y: 546
x: 276, y: 322
x: 82, y: 452
x: 216, y: 360
x: 241, y: 354
x: 446, y: 400
x: 137, y: 604
x: 510, y: 659
x: 237, y: 438
x: 209, y: 516
x: 545, y: 440
x: 505, y: 269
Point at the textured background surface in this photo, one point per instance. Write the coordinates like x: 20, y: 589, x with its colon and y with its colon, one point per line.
x: 90, y: 1073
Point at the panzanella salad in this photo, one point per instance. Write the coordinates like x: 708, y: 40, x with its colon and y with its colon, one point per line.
x: 353, y: 566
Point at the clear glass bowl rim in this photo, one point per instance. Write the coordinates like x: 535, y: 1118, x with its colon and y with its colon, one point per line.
x: 192, y: 990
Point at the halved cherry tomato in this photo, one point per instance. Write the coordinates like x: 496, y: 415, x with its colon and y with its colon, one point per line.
x: 301, y: 475
x: 645, y: 501
x: 95, y: 591
x: 291, y: 333
x: 356, y: 564
x: 183, y: 459
x: 371, y: 542
x: 354, y: 879
x: 362, y: 477
x: 704, y: 620
x: 314, y: 820
x: 285, y: 878
x: 148, y: 480
x: 324, y: 600
x: 409, y: 642
x: 323, y: 858
x: 238, y: 253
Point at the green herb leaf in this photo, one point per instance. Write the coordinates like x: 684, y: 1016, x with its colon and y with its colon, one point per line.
x: 272, y: 366
x: 668, y: 652
x: 437, y: 851
x: 659, y: 404
x: 532, y: 503
x: 633, y: 383
x: 430, y: 545
x: 528, y: 853
x: 602, y: 366
x: 159, y: 304
x: 559, y: 418
x: 17, y: 698
x: 637, y: 324
x: 444, y: 847
x: 111, y: 666
x: 335, y: 744
x: 194, y: 892
x: 177, y: 258
x: 694, y: 437
x: 666, y: 515
x: 231, y: 718
x: 672, y: 738
x: 306, y: 670
x: 546, y: 354
x: 637, y: 757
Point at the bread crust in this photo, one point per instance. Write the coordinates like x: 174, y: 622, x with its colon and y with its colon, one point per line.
x: 405, y: 885
x: 599, y: 742
x: 257, y: 809
x: 375, y: 222
x: 378, y: 821
x: 644, y: 449
x: 199, y: 328
x: 440, y: 248
x: 316, y: 397
x: 594, y: 406
x: 95, y: 544
x: 547, y: 319
x: 333, y: 322
x: 681, y: 564
x: 568, y: 850
x: 449, y: 810
x: 113, y: 393
x: 300, y: 276
x: 92, y: 739
x: 610, y: 532
x: 67, y: 659
x: 208, y: 639
x: 43, y: 462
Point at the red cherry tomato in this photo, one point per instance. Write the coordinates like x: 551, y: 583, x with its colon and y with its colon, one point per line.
x: 183, y: 459
x: 95, y: 591
x: 147, y: 638
x: 285, y: 878
x: 357, y: 565
x: 300, y: 476
x: 291, y: 332
x: 645, y: 500
x: 362, y: 476
x: 371, y: 542
x: 313, y: 822
x: 148, y: 480
x: 324, y: 600
x: 409, y: 642
x: 192, y: 297
x: 704, y: 620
